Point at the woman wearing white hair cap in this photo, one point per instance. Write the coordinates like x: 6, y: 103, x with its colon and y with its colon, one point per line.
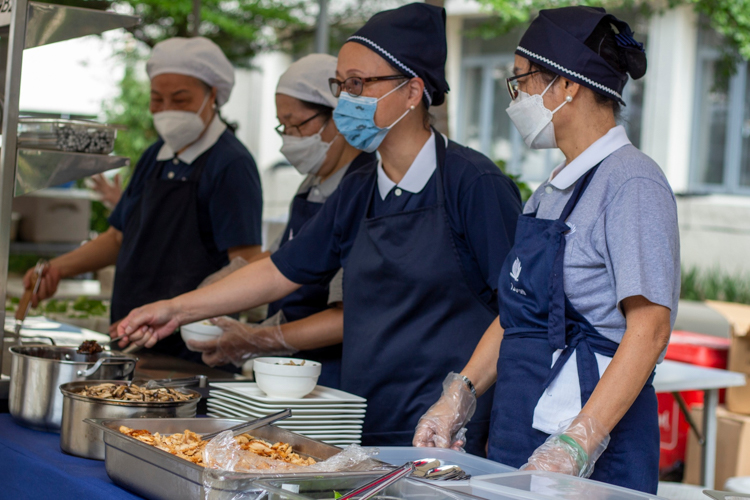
x: 194, y: 201
x: 313, y: 145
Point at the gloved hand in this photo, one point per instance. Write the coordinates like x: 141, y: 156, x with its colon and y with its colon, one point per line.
x: 573, y: 450
x: 443, y: 426
x: 242, y: 341
x: 234, y: 265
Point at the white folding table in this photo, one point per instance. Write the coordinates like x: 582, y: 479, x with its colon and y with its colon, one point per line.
x: 672, y: 376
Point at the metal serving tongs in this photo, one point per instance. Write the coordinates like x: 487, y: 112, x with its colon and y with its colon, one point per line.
x: 250, y: 425
x: 25, y: 304
x: 374, y: 487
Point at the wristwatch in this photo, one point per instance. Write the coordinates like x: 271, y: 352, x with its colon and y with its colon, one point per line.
x: 469, y: 384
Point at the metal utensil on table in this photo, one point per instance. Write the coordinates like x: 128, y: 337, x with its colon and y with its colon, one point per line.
x: 423, y: 465
x: 25, y: 304
x: 252, y: 424
x: 374, y: 487
x: 446, y: 473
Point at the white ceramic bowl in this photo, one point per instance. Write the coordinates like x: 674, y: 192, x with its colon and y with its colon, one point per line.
x: 279, y: 379
x: 200, y: 331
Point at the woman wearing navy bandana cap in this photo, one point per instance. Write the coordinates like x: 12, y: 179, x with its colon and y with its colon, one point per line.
x: 421, y: 237
x: 589, y: 293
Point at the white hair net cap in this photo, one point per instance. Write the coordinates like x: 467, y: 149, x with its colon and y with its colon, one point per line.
x: 307, y: 80
x: 198, y: 57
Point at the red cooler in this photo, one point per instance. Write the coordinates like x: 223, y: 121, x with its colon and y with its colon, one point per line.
x: 696, y: 349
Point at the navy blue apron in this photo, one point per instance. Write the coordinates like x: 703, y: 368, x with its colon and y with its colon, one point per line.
x: 163, y: 254
x: 312, y: 299
x: 409, y: 319
x: 539, y: 319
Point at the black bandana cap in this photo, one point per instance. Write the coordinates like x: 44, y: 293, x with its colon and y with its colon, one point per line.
x: 556, y: 41
x: 412, y: 39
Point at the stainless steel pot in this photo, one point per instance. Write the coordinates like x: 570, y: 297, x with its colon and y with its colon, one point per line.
x: 84, y: 440
x: 37, y: 371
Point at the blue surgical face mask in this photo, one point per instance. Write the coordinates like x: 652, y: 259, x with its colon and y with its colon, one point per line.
x: 355, y: 119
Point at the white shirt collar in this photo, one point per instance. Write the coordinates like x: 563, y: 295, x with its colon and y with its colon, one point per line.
x: 419, y: 173
x: 206, y: 141
x: 565, y: 176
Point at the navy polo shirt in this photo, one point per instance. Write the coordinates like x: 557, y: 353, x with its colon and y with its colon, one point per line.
x: 230, y: 199
x: 482, y: 203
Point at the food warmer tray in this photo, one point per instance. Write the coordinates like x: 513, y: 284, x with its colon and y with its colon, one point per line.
x: 155, y: 474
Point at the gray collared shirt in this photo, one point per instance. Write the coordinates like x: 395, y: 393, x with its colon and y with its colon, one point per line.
x: 624, y: 238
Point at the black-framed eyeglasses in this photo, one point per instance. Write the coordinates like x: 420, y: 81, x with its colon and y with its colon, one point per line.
x: 282, y: 129
x: 354, y: 85
x: 513, y: 83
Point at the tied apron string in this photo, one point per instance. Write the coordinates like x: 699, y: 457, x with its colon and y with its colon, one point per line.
x: 588, y: 368
x: 561, y: 333
x: 556, y: 321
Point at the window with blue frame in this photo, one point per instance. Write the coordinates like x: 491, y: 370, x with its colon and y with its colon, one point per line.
x: 721, y: 127
x: 483, y: 123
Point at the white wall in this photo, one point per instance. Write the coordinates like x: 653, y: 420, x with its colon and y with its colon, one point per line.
x: 669, y: 93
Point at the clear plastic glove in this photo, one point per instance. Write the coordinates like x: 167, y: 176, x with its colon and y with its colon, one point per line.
x: 243, y: 341
x: 573, y: 450
x: 234, y: 265
x: 443, y: 426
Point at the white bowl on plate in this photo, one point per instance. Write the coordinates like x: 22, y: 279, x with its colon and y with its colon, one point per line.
x: 280, y: 379
x: 200, y: 331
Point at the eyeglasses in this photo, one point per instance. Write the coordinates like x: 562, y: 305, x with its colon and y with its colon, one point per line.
x: 354, y: 85
x: 282, y: 129
x: 513, y: 84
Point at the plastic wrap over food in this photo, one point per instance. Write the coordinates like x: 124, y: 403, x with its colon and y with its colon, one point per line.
x: 230, y: 470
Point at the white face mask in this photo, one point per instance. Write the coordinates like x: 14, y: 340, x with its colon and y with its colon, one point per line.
x: 306, y: 154
x: 179, y: 128
x: 533, y: 120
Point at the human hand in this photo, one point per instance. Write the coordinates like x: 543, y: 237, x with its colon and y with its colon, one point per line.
x: 109, y: 192
x: 241, y: 341
x: 149, y: 324
x: 572, y: 451
x: 443, y: 426
x: 50, y: 279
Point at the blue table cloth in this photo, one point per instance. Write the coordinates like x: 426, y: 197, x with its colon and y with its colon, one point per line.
x: 33, y: 466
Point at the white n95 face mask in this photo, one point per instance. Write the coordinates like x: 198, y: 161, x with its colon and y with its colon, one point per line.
x: 179, y: 128
x: 306, y: 154
x: 533, y: 120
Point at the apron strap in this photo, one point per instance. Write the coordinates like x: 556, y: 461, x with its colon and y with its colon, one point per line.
x: 440, y: 159
x: 556, y: 320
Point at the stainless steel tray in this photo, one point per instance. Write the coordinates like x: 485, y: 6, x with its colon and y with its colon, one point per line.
x: 155, y: 474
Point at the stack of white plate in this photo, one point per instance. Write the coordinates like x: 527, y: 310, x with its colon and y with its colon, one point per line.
x: 329, y: 415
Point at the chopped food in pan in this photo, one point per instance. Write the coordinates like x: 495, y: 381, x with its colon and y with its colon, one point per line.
x: 90, y: 347
x: 189, y: 446
x: 134, y: 393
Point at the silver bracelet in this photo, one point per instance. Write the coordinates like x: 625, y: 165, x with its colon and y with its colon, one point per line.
x: 469, y: 384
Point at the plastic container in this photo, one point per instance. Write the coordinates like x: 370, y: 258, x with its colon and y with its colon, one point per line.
x: 539, y: 485
x: 696, y: 349
x: 471, y: 464
x: 200, y: 331
x: 286, y: 377
x: 66, y: 135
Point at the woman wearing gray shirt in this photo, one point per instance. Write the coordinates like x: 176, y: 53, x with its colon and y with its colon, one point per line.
x: 589, y: 293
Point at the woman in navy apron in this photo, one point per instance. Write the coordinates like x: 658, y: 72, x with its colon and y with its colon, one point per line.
x: 592, y: 283
x: 416, y: 236
x: 194, y: 200
x: 313, y: 146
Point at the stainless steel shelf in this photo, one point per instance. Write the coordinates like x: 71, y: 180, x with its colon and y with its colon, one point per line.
x: 38, y: 169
